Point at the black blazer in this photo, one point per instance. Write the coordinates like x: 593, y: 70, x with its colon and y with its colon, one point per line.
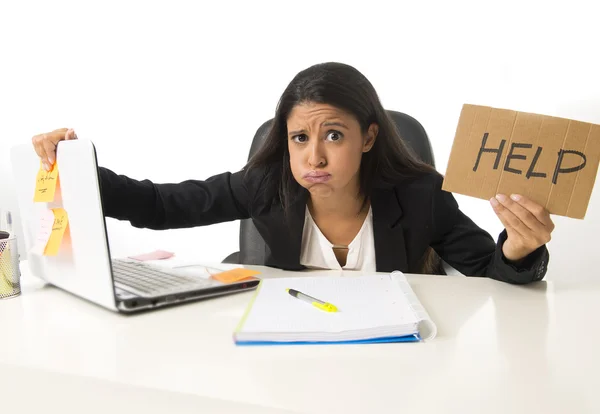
x: 408, y: 217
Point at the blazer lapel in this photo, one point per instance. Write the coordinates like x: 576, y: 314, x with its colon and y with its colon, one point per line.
x: 286, y: 233
x: 390, y: 247
x: 295, y: 224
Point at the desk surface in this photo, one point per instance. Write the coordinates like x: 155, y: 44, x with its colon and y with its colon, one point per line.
x: 500, y: 348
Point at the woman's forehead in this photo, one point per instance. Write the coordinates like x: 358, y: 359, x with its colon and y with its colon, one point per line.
x: 311, y: 113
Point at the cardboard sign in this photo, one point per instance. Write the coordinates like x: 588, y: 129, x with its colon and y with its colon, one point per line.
x: 550, y: 160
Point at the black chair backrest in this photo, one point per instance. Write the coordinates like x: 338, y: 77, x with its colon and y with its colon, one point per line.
x: 252, y: 245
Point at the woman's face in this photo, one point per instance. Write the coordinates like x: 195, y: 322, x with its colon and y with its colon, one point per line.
x: 326, y: 147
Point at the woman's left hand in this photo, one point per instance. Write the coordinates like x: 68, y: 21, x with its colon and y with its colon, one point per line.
x: 528, y: 225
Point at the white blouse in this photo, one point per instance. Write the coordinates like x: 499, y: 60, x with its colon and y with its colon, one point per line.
x: 317, y: 251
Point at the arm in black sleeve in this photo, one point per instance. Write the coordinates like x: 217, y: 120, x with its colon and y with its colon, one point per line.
x: 223, y: 197
x: 472, y: 251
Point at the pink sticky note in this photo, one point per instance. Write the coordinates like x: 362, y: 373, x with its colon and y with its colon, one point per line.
x: 44, y: 232
x: 155, y: 255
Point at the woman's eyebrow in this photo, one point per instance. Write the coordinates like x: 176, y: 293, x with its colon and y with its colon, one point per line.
x: 334, y: 123
x: 324, y: 124
x: 298, y: 132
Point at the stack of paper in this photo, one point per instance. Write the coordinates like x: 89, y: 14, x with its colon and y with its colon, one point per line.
x: 373, y: 308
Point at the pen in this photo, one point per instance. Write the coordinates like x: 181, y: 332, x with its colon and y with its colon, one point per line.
x: 325, y: 306
x: 6, y: 221
x: 9, y: 223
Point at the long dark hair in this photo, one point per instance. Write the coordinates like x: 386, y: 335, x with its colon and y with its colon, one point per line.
x: 343, y: 87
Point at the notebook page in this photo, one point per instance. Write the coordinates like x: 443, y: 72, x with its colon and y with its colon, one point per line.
x: 363, y: 302
x: 427, y: 328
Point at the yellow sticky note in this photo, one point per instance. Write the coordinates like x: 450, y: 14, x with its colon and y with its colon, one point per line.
x: 61, y: 220
x: 235, y: 275
x: 45, y: 184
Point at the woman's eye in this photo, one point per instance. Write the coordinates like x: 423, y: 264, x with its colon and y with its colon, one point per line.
x: 334, y: 136
x: 300, y: 138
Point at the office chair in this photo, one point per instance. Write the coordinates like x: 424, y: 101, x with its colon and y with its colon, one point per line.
x: 252, y: 245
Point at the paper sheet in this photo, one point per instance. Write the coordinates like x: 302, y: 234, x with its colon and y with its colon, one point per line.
x: 364, y: 302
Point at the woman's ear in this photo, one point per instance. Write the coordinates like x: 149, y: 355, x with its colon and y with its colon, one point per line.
x: 371, y: 137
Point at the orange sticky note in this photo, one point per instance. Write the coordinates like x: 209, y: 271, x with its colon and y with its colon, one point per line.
x: 45, y: 184
x: 61, y: 220
x: 235, y: 275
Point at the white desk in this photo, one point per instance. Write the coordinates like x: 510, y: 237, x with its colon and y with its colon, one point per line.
x: 500, y: 349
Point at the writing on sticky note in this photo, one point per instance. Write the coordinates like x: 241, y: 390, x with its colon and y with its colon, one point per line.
x: 235, y: 275
x: 155, y: 255
x: 45, y: 184
x: 46, y: 221
x: 61, y: 221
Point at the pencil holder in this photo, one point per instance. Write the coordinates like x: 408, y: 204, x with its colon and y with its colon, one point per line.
x: 10, y: 275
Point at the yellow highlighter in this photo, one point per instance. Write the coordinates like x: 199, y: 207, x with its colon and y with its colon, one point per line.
x: 324, y: 306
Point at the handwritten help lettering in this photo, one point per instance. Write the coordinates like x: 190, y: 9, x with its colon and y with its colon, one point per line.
x: 61, y: 220
x: 45, y: 185
x: 559, y: 169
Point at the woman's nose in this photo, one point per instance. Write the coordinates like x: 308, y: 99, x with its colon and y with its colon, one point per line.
x: 316, y: 156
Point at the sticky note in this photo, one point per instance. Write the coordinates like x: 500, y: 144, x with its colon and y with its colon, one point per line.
x: 45, y: 184
x: 46, y: 221
x: 155, y: 255
x: 235, y: 275
x: 61, y: 221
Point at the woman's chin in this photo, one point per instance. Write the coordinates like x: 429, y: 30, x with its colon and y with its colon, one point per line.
x: 319, y: 190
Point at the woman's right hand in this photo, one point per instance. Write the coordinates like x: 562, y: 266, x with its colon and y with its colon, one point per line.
x: 45, y: 145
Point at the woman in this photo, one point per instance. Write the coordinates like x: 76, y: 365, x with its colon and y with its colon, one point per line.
x: 334, y: 187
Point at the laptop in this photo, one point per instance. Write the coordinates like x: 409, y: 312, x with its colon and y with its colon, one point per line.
x: 83, y: 265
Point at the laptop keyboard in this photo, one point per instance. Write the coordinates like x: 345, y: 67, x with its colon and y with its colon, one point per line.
x: 149, y: 280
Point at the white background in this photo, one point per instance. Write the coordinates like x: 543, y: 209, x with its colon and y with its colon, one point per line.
x: 175, y: 90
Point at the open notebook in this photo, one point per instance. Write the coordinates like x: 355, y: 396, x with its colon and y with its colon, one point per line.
x: 372, y: 308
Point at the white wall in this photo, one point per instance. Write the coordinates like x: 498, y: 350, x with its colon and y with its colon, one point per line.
x: 175, y: 90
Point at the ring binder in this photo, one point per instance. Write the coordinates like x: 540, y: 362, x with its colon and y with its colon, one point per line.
x: 371, y: 309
